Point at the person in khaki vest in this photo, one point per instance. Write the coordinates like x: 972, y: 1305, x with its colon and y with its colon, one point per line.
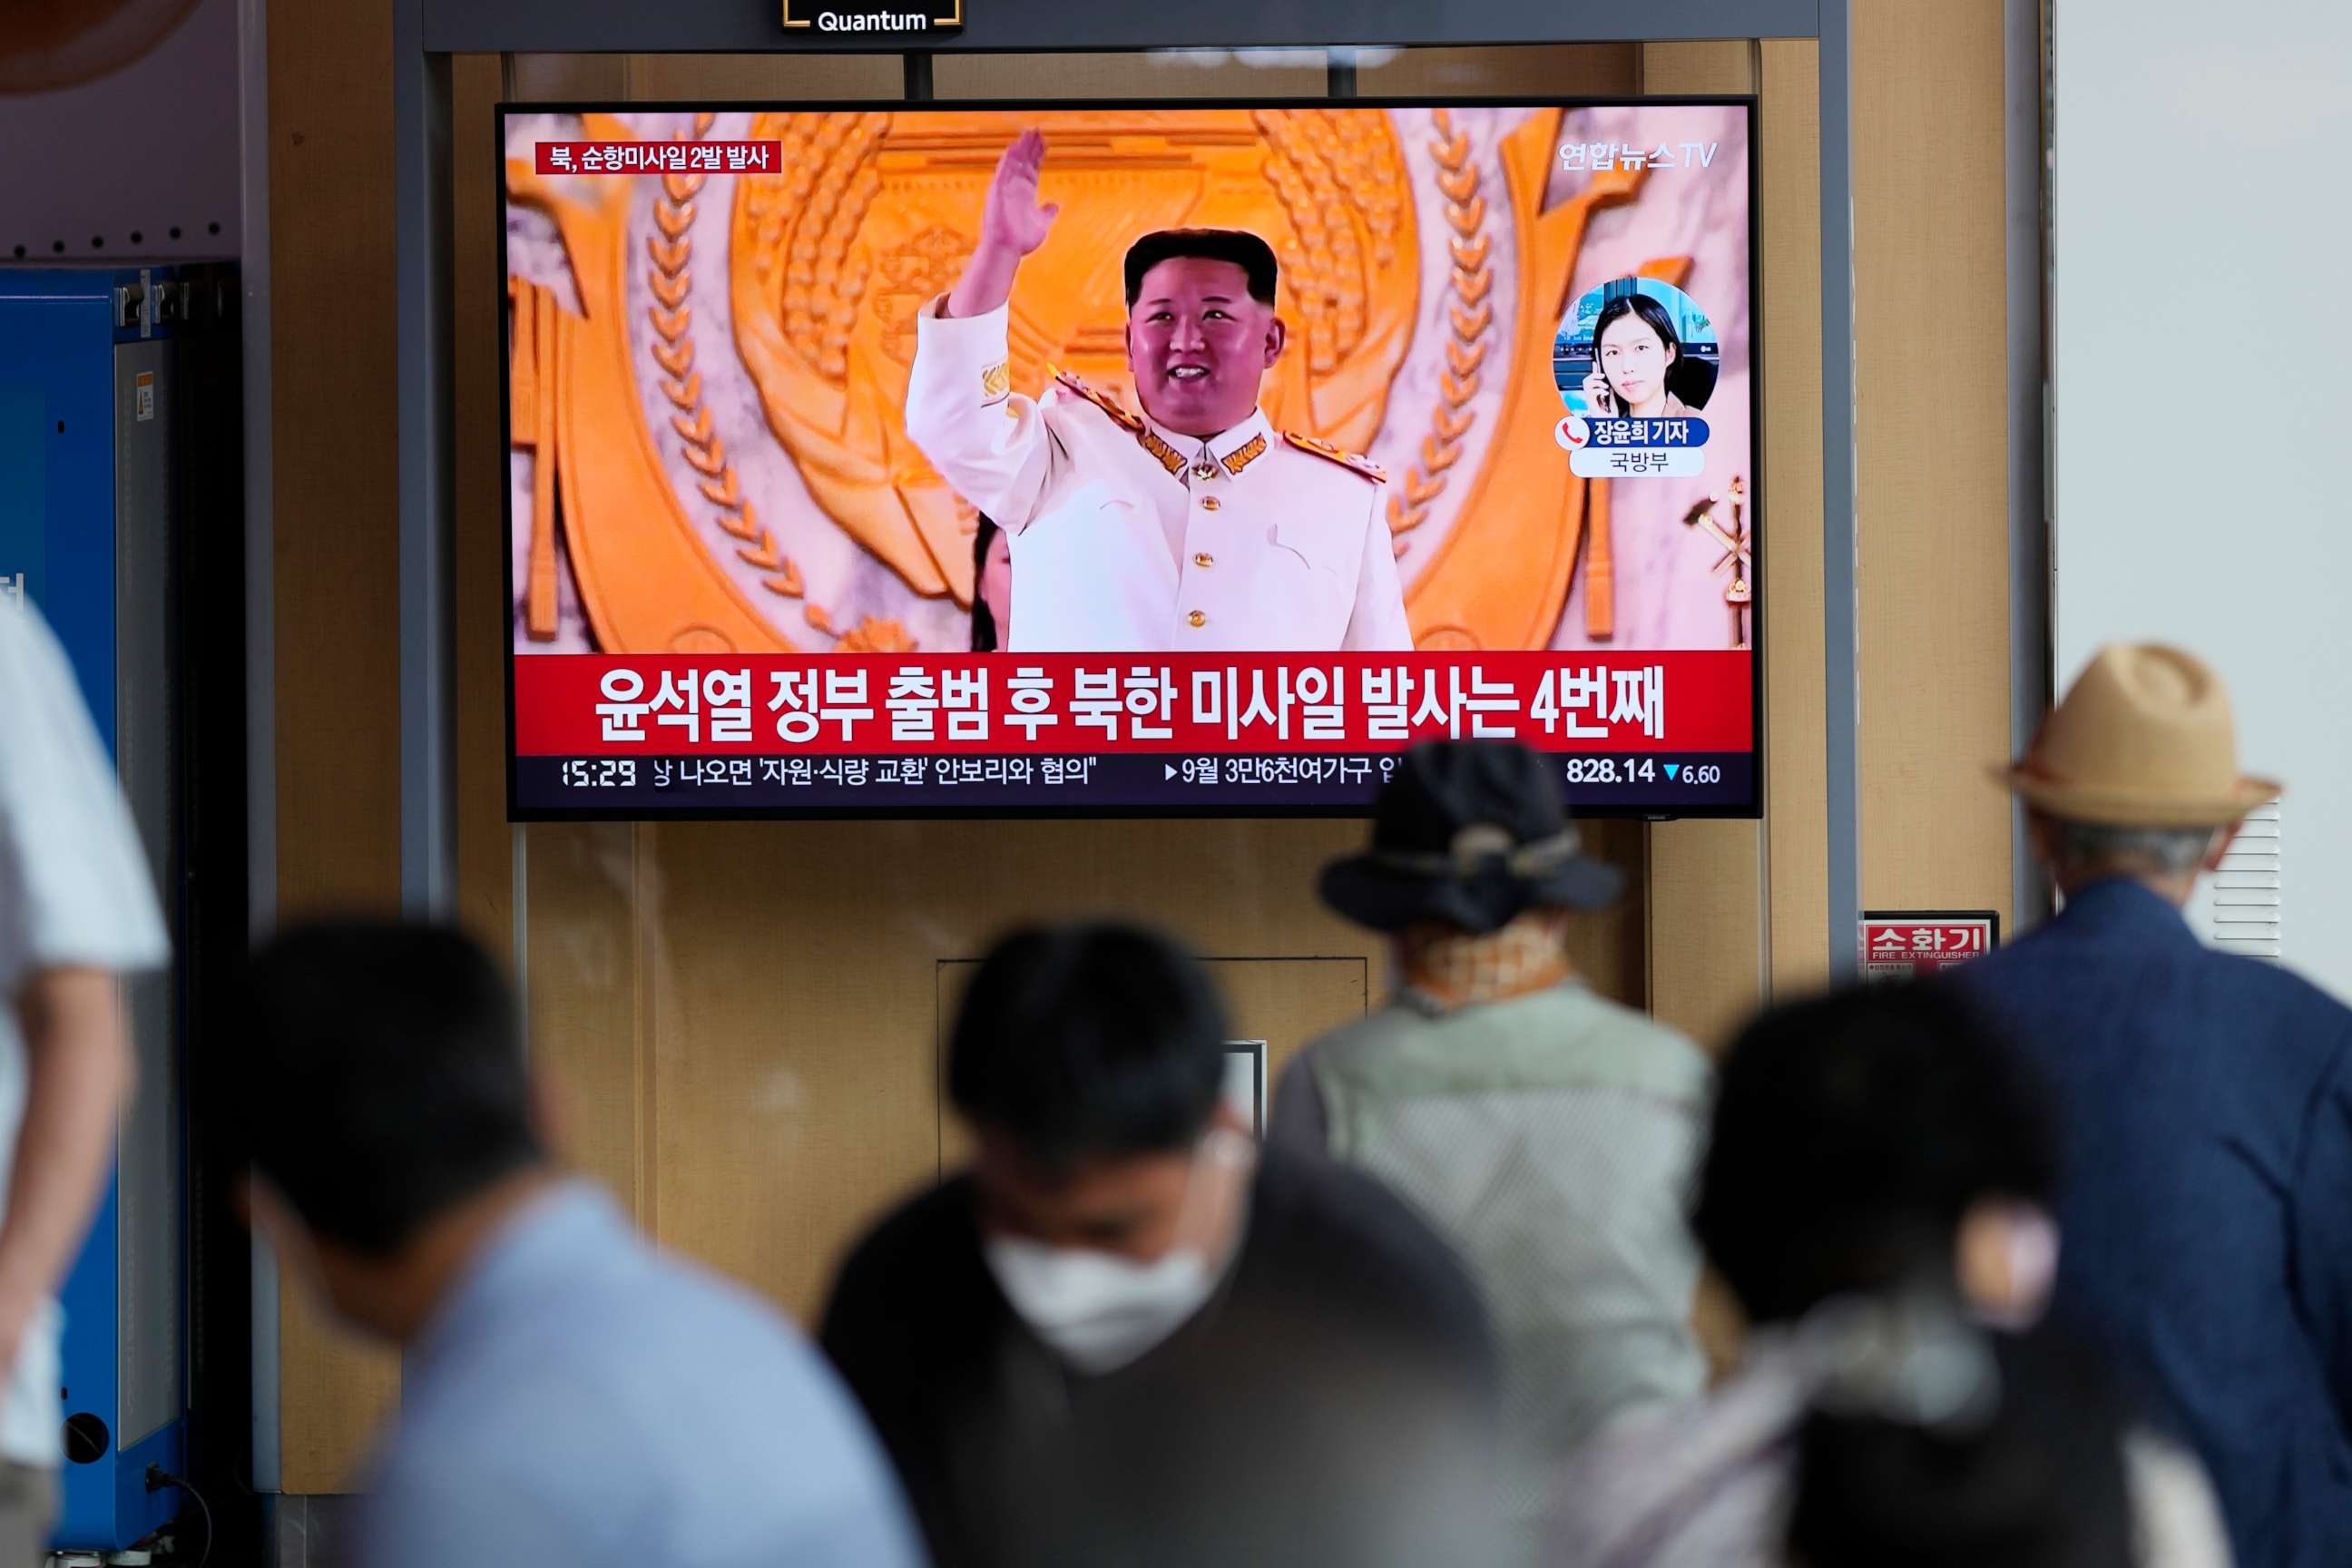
x: 1550, y: 1133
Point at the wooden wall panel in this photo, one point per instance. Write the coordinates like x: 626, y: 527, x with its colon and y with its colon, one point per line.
x: 1796, y: 829
x: 1722, y: 64
x: 784, y: 77
x: 1706, y: 929
x: 584, y: 993
x: 335, y: 553
x: 485, y: 865
x: 335, y: 561
x: 558, y: 77
x: 1930, y: 329
x: 1291, y: 1003
x: 787, y: 1002
x: 1707, y: 887
x: 794, y: 996
x: 1542, y: 71
x: 1611, y: 947
x: 791, y: 1018
x: 1178, y: 73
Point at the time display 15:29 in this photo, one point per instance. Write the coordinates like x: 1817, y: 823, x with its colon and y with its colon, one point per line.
x: 601, y: 773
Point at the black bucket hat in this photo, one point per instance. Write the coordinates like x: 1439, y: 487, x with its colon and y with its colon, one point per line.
x: 1470, y: 833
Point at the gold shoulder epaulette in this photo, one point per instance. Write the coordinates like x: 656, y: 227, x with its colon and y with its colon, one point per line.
x: 1101, y: 400
x: 1355, y: 460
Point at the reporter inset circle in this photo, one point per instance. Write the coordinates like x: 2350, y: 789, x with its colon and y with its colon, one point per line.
x: 1635, y: 347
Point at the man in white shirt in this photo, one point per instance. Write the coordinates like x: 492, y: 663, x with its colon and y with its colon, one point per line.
x: 77, y: 909
x: 1193, y: 526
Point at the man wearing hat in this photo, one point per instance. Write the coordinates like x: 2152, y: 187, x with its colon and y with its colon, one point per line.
x: 2208, y: 1103
x: 1190, y: 526
x: 1549, y: 1135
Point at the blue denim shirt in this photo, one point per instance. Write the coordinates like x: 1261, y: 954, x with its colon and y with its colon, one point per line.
x: 582, y: 1399
x: 2207, y: 1210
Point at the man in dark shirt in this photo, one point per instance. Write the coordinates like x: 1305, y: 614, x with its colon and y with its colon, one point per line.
x: 1127, y: 1336
x: 2207, y: 1209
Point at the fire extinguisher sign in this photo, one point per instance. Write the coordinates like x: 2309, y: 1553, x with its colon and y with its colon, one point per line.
x: 1898, y: 945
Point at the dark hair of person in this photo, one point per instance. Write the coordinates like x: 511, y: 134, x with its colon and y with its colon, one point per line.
x: 984, y: 636
x: 1649, y: 310
x: 1088, y: 1039
x: 388, y: 1082
x: 1244, y: 249
x: 1852, y: 1134
x: 2038, y: 1482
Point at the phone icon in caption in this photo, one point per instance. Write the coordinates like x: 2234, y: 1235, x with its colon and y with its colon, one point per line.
x: 1572, y: 433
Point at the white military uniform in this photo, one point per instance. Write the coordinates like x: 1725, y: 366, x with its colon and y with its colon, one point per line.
x: 1129, y: 537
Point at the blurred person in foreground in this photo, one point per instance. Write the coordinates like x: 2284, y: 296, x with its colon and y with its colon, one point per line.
x: 1878, y: 1152
x: 1125, y: 1336
x: 569, y: 1394
x: 1548, y: 1132
x: 2207, y: 1103
x: 77, y: 912
x: 1931, y: 1444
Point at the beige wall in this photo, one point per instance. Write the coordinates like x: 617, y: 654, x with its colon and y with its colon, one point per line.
x: 1930, y: 305
x: 336, y: 569
x: 1739, y: 909
x: 745, y: 1017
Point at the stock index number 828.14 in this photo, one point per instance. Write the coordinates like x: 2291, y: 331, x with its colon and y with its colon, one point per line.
x: 1612, y: 770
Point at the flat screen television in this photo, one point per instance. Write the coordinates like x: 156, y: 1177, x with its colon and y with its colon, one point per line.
x: 1127, y: 457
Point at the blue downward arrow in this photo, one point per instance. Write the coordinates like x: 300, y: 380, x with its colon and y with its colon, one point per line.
x: 1672, y: 769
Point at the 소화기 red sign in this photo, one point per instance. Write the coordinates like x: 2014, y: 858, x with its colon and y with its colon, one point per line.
x: 1898, y: 945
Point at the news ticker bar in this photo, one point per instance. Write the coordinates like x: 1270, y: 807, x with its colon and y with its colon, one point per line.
x: 645, y: 787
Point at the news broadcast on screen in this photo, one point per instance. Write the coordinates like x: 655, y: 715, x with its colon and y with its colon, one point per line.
x: 1148, y: 459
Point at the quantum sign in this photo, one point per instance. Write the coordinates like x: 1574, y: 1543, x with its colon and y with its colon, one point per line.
x: 865, y: 16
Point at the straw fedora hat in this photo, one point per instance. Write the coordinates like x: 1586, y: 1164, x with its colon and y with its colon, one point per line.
x: 2143, y: 739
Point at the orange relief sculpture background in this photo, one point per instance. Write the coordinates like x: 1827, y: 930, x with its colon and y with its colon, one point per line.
x: 707, y: 370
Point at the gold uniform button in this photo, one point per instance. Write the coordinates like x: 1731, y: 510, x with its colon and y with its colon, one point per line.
x: 1197, y: 618
x: 1204, y: 559
x: 1209, y: 503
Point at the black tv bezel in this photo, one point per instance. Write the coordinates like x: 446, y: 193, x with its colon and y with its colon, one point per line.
x: 1750, y: 809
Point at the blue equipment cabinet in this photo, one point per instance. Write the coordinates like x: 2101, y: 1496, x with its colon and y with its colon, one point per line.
x: 89, y: 497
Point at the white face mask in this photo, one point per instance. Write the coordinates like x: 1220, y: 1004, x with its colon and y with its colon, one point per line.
x: 1100, y: 1312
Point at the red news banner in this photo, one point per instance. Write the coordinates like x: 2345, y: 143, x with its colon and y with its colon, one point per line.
x: 582, y: 705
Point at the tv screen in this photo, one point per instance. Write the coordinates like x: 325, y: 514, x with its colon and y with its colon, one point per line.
x: 1127, y: 457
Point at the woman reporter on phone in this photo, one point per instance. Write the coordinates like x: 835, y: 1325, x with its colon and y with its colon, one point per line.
x: 1634, y: 345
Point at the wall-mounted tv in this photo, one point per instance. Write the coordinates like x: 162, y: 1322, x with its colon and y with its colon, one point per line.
x: 1127, y: 458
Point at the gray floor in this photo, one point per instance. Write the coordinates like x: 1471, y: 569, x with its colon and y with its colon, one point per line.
x: 309, y: 1532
